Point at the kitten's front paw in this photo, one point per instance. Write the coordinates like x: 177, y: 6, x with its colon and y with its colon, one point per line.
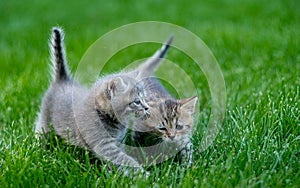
x: 186, y: 156
x: 144, y: 172
x: 147, y: 174
x: 136, y: 171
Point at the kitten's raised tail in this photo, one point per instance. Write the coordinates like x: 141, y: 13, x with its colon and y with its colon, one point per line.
x: 148, y: 67
x: 162, y: 52
x: 58, y: 56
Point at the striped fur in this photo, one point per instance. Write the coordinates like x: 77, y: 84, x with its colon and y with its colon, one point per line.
x: 93, y: 117
x: 58, y: 56
x: 170, y: 122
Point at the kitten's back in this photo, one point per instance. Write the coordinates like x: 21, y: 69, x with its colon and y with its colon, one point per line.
x: 155, y: 90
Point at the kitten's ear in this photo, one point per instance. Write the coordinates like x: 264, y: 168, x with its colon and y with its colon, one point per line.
x: 147, y: 68
x: 116, y: 85
x: 189, y: 104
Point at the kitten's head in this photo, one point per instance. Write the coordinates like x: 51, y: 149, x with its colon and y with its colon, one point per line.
x: 122, y: 97
x: 172, y: 119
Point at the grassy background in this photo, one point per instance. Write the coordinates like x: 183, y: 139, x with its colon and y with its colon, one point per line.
x: 256, y: 43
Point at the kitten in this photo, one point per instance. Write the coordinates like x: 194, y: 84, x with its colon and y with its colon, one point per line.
x: 96, y: 117
x: 167, y: 131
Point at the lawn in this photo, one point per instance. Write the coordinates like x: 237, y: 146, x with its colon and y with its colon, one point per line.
x: 256, y: 44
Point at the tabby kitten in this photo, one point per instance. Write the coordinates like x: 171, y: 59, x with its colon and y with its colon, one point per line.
x: 94, y: 118
x: 166, y: 133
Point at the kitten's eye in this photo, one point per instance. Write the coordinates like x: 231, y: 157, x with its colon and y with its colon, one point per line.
x: 137, y: 101
x: 162, y: 128
x: 179, y: 127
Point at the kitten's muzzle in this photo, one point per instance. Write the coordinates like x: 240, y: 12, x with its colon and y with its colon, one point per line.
x: 145, y: 106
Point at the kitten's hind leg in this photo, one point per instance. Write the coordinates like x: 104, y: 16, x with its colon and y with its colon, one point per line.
x: 42, y: 126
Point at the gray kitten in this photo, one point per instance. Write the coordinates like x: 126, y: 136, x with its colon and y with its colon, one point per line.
x: 95, y: 117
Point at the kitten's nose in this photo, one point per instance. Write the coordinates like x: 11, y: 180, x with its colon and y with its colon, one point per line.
x: 145, y: 106
x: 172, y: 137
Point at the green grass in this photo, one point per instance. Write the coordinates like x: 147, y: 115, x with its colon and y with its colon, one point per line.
x: 257, y: 47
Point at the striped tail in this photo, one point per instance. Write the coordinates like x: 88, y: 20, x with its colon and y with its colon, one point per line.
x: 162, y: 52
x: 147, y: 68
x: 58, y: 56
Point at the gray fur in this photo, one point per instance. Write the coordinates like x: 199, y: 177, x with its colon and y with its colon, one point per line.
x: 147, y: 68
x: 93, y: 117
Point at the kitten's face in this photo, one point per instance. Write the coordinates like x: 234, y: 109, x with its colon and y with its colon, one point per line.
x: 126, y: 99
x: 131, y: 103
x: 172, y: 120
